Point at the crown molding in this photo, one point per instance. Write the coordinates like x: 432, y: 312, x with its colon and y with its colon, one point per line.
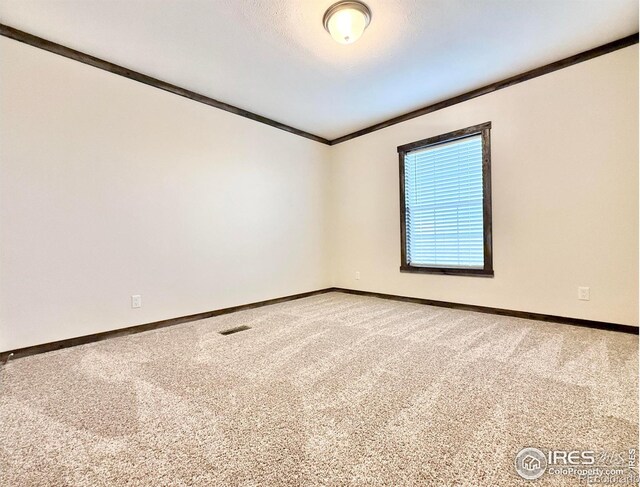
x: 67, y: 52
x: 499, y: 85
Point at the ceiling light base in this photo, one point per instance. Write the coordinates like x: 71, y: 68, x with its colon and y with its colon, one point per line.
x: 341, y: 6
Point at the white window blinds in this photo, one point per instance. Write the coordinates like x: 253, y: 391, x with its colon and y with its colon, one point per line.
x: 443, y: 198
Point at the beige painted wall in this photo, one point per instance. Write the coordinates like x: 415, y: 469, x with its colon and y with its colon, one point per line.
x: 110, y: 188
x: 565, y: 197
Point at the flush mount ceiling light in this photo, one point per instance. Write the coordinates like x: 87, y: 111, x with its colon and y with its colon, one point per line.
x: 346, y: 21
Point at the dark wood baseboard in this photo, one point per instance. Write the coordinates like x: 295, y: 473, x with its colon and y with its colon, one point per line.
x: 96, y: 337
x: 601, y: 325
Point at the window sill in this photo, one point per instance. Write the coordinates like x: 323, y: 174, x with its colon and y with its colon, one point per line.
x: 448, y: 271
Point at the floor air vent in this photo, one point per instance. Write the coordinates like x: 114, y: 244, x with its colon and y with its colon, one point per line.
x: 235, y: 330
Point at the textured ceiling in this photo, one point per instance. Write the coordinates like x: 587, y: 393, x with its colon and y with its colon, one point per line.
x: 273, y: 57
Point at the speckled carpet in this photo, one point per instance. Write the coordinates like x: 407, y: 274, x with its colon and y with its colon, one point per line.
x: 329, y: 390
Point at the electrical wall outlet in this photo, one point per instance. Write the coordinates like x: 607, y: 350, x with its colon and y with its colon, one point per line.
x: 357, y: 275
x: 584, y: 293
x: 136, y: 301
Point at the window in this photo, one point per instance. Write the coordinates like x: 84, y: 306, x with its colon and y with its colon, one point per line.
x: 445, y: 203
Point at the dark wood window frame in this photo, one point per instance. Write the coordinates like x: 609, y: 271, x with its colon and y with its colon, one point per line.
x: 484, y: 130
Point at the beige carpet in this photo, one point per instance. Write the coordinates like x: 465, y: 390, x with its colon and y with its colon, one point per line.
x: 329, y: 390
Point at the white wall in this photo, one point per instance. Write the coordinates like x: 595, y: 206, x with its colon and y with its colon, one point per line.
x: 110, y: 188
x: 565, y: 196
